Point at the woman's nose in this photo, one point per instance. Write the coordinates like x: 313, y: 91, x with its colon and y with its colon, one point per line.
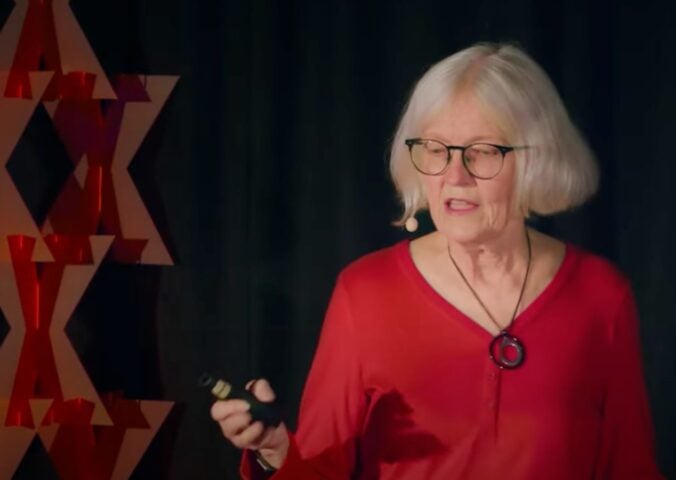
x: 456, y: 173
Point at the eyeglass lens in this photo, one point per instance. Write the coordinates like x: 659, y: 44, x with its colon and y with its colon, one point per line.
x: 481, y: 160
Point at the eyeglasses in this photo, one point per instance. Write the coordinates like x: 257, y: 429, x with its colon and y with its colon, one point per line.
x: 481, y: 160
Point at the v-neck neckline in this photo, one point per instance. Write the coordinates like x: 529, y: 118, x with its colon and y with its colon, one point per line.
x: 522, y: 319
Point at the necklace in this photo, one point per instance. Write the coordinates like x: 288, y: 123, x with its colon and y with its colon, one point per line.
x: 505, y: 349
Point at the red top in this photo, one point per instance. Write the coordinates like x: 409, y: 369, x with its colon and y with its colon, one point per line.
x: 402, y: 386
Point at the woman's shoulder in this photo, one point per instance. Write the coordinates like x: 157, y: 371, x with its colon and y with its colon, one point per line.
x: 593, y: 271
x: 377, y: 266
x: 595, y: 266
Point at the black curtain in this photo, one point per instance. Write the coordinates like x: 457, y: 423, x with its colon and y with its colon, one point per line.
x: 267, y: 173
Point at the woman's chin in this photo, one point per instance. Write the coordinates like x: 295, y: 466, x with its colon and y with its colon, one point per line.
x: 466, y: 235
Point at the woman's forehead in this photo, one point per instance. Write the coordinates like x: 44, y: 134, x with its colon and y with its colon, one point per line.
x: 462, y: 117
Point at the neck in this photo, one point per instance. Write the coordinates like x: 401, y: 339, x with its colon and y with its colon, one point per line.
x: 490, y: 260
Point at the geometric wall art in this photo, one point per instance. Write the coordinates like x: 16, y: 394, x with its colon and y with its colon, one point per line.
x: 46, y: 264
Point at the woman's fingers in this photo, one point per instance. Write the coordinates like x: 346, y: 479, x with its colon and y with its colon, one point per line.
x: 261, y: 389
x: 234, y: 424
x: 224, y: 408
x: 250, y: 437
x: 235, y: 421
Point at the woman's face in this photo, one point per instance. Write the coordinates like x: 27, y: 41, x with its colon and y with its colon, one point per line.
x: 466, y: 209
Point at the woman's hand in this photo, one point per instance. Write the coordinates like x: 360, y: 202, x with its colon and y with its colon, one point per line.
x: 233, y: 416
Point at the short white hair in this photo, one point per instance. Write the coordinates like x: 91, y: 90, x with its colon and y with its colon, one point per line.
x: 557, y: 172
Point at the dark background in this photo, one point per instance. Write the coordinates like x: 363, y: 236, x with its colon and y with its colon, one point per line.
x: 266, y: 173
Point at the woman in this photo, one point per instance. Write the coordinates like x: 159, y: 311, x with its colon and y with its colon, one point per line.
x: 485, y: 349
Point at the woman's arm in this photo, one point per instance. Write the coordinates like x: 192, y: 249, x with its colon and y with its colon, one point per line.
x: 333, y: 407
x: 627, y: 446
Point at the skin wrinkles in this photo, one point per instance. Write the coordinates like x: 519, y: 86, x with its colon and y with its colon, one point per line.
x: 489, y: 240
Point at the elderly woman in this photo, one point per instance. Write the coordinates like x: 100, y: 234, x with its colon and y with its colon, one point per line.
x: 485, y: 349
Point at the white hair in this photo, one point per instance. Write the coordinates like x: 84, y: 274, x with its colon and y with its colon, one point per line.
x: 555, y: 173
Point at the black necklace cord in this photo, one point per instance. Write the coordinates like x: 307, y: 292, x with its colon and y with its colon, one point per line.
x: 478, y: 299
x: 505, y: 349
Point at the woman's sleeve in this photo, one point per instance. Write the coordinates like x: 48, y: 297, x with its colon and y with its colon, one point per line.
x: 627, y: 446
x: 333, y: 406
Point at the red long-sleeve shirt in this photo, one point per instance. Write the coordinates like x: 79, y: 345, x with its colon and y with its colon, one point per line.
x: 402, y: 386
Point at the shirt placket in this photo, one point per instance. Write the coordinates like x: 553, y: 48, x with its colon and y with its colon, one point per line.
x: 490, y: 403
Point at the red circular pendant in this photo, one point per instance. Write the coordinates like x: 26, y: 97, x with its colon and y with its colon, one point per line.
x: 507, y: 351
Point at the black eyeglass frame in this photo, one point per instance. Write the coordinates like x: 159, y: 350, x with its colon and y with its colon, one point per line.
x: 503, y: 149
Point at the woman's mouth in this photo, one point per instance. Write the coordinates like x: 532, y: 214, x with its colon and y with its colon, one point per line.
x: 459, y: 206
